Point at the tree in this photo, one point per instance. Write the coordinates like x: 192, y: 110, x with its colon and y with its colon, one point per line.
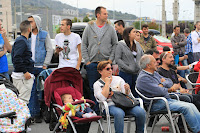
x: 86, y: 19
x: 75, y: 20
x: 153, y: 25
x: 136, y: 24
x: 93, y: 18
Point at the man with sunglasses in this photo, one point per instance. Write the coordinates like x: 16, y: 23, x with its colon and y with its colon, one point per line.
x: 155, y: 54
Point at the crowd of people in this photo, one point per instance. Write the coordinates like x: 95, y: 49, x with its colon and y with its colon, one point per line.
x: 140, y: 64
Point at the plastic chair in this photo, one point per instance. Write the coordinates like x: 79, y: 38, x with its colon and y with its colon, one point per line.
x: 192, y: 78
x: 169, y: 115
x: 110, y: 119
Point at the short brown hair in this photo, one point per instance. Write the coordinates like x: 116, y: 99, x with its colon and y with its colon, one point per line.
x: 145, y: 26
x: 98, y: 10
x: 102, y: 65
x: 68, y: 22
x: 24, y: 26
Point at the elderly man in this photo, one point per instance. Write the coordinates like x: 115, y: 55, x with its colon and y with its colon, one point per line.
x: 152, y: 84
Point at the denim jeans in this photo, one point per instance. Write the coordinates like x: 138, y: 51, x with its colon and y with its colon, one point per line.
x: 93, y: 75
x: 190, y: 58
x: 6, y: 75
x: 34, y: 105
x: 119, y: 114
x: 189, y: 110
x: 131, y: 80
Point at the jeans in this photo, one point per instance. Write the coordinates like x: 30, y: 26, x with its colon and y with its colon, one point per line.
x: 196, y: 56
x: 189, y: 110
x: 190, y: 58
x: 119, y: 114
x: 131, y: 80
x: 6, y: 75
x: 34, y: 105
x: 93, y: 75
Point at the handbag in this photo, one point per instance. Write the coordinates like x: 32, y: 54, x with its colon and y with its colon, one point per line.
x: 121, y: 100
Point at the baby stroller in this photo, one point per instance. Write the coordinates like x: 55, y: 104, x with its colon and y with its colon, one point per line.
x: 62, y: 81
x: 14, y: 113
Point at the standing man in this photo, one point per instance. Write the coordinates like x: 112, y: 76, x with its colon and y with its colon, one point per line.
x: 98, y: 43
x: 196, y: 42
x: 147, y: 41
x: 42, y: 52
x: 119, y: 27
x: 4, y: 47
x: 188, y: 46
x: 72, y: 58
x: 23, y: 64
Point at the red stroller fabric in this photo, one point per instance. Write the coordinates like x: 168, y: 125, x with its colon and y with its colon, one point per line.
x: 60, y: 78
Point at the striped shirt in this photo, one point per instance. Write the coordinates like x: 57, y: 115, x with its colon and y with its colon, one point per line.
x: 188, y: 46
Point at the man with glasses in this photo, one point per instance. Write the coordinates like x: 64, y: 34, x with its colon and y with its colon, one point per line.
x: 42, y: 52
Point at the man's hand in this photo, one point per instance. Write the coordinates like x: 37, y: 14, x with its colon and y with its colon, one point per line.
x: 161, y: 85
x: 27, y: 75
x: 3, y: 32
x: 183, y: 91
x: 162, y: 80
x: 77, y: 67
x: 177, y: 43
x: 58, y: 49
x: 185, y: 57
x: 88, y: 63
x: 44, y: 67
x: 175, y: 87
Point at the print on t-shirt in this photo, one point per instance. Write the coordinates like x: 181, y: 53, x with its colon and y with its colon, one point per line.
x: 66, y: 49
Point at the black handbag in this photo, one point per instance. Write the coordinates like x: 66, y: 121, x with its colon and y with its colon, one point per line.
x: 121, y: 100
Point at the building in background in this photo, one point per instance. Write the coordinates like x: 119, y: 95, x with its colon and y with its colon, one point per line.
x: 6, y: 15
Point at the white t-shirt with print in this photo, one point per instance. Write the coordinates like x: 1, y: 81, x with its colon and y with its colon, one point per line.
x: 74, y: 40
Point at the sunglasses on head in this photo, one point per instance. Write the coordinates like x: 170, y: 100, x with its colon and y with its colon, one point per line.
x: 168, y: 52
x: 108, y: 68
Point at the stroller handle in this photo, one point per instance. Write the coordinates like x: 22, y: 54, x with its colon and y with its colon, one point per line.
x: 92, y: 103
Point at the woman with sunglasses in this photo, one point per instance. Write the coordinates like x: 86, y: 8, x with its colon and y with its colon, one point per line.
x: 116, y: 83
x: 127, y: 55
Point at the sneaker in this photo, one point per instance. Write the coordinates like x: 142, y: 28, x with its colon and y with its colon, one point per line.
x: 88, y: 115
x: 38, y: 119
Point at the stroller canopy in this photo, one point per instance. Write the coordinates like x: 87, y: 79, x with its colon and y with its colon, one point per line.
x: 60, y: 78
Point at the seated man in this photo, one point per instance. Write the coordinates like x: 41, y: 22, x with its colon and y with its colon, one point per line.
x: 152, y: 84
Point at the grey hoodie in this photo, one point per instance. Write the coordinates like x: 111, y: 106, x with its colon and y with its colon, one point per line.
x: 125, y: 59
x: 48, y: 44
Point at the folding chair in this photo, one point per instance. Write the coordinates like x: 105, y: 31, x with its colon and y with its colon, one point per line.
x: 192, y: 78
x: 110, y: 119
x: 169, y: 115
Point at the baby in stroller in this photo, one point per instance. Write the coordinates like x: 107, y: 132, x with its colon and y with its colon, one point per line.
x: 84, y: 112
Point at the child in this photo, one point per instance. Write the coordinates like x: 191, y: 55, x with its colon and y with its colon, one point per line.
x: 86, y: 113
x: 23, y: 64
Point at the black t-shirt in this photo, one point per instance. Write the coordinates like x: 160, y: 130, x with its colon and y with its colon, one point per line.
x: 119, y: 36
x: 168, y: 74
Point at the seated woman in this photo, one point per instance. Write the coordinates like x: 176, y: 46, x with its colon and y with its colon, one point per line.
x: 117, y: 84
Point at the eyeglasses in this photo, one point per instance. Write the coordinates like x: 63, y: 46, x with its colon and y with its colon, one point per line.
x: 108, y: 68
x: 168, y: 52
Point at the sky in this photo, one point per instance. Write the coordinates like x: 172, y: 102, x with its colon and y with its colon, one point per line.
x: 149, y: 8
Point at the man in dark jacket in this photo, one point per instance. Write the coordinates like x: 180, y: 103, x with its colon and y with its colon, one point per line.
x: 23, y: 64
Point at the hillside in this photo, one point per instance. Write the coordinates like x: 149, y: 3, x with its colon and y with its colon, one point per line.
x: 56, y: 7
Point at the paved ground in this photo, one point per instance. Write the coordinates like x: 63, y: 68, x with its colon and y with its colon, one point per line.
x: 44, y: 128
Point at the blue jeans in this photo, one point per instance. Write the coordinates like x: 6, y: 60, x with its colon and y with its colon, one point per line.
x: 34, y: 105
x: 93, y: 75
x: 6, y: 75
x: 119, y: 114
x: 189, y: 110
x: 130, y: 79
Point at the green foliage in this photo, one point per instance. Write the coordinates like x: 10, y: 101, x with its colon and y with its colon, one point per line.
x: 75, y: 20
x: 58, y: 30
x: 136, y: 24
x: 153, y: 25
x: 86, y: 19
x: 93, y: 18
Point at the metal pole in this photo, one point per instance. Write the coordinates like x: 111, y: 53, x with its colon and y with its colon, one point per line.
x: 163, y: 19
x: 140, y: 15
x: 113, y: 10
x: 15, y: 21
x: 21, y: 9
x: 77, y: 10
x: 47, y: 28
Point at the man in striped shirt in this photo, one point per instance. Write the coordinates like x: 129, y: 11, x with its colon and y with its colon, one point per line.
x: 188, y: 46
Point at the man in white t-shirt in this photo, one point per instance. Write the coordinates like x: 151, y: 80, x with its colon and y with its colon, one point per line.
x: 196, y: 42
x: 68, y: 46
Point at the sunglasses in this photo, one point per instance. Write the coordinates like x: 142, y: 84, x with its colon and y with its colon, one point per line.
x: 168, y: 52
x: 108, y: 68
x: 157, y: 59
